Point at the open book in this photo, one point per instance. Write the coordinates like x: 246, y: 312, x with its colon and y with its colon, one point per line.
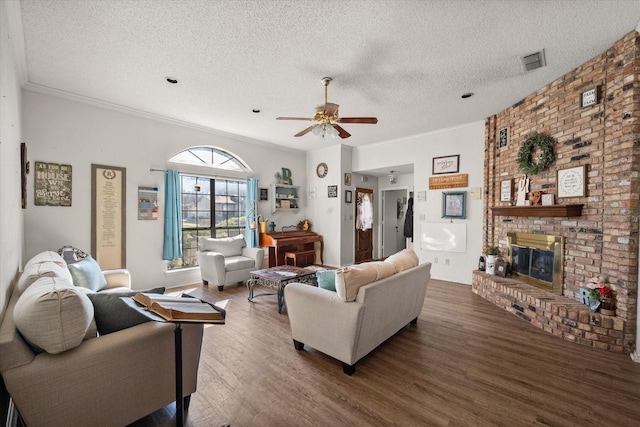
x: 187, y: 309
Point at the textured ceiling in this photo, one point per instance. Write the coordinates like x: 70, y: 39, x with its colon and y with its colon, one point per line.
x: 405, y: 62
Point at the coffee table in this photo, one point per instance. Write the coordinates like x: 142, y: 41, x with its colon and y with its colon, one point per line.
x: 277, y: 278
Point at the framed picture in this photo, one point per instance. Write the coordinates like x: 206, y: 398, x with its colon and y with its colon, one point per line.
x: 446, y: 164
x: 505, y: 190
x: 501, y: 268
x: 332, y: 191
x: 503, y: 138
x: 348, y: 196
x: 264, y: 194
x: 312, y: 192
x: 454, y: 204
x: 108, y: 216
x: 572, y: 182
x: 52, y: 184
x: 347, y: 179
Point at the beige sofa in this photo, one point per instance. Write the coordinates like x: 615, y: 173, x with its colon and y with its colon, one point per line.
x: 58, y: 372
x: 227, y: 260
x: 372, y: 302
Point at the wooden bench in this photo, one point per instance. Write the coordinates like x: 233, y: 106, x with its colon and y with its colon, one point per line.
x: 300, y: 258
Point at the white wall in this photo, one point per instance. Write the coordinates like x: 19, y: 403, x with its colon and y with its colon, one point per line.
x: 11, y: 217
x: 324, y: 212
x: 64, y: 131
x: 468, y: 142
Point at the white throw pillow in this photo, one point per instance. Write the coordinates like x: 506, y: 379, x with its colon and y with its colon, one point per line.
x: 383, y: 269
x: 350, y: 279
x: 52, y: 315
x: 227, y: 246
x: 403, y: 260
x: 46, y: 256
x: 34, y: 271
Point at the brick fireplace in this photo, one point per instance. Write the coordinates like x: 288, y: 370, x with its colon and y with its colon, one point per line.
x: 600, y: 236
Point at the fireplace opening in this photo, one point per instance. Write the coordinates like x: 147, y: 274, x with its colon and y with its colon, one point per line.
x: 537, y: 259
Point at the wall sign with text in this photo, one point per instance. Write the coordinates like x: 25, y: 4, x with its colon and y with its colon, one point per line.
x: 590, y: 97
x: 52, y: 184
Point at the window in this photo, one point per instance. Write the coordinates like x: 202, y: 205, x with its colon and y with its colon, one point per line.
x: 211, y: 157
x: 211, y: 207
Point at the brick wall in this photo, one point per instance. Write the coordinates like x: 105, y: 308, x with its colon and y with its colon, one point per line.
x: 604, y: 137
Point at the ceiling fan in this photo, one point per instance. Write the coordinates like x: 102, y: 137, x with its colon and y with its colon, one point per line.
x: 326, y: 118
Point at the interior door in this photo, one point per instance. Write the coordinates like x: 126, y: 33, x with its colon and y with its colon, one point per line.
x: 393, y: 211
x: 364, y: 225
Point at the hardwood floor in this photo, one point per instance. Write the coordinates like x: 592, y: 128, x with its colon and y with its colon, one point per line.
x: 466, y: 363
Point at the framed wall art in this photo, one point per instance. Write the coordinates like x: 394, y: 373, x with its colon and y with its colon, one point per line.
x: 332, y: 191
x: 108, y: 216
x: 446, y: 164
x: 572, y: 182
x: 347, y: 179
x: 348, y: 196
x: 505, y: 190
x: 264, y: 194
x: 454, y: 204
x: 52, y: 184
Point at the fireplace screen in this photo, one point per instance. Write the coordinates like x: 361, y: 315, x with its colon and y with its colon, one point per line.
x: 537, y: 259
x: 534, y: 263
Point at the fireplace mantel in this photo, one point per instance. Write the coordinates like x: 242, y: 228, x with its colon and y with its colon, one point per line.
x: 540, y: 211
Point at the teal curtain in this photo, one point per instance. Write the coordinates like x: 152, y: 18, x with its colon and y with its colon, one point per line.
x: 172, y: 248
x: 251, y: 206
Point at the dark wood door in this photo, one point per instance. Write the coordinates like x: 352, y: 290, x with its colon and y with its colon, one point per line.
x: 364, y: 225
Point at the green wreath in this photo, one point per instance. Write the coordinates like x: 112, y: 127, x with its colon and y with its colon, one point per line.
x: 545, y: 144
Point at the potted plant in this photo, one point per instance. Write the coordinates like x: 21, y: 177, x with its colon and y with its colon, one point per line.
x: 600, y: 292
x: 491, y: 253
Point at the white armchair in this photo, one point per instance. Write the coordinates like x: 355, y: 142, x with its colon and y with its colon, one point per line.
x: 227, y: 260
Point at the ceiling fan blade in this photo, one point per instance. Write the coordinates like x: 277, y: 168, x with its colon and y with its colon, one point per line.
x: 294, y: 118
x: 330, y: 109
x: 365, y: 120
x: 305, y: 131
x: 341, y: 132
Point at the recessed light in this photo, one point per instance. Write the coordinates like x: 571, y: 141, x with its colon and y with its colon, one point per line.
x: 467, y: 95
x: 256, y: 110
x: 172, y: 80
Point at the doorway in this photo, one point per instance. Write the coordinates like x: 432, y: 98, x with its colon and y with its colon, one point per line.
x: 394, y: 208
x: 364, y: 225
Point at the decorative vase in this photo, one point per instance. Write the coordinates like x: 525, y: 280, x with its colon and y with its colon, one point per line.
x: 490, y: 264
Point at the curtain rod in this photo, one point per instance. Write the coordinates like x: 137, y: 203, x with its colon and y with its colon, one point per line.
x: 156, y: 170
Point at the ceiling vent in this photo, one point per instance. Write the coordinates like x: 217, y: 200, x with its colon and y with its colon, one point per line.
x: 533, y: 61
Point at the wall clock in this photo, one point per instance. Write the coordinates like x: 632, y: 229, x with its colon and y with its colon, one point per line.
x: 322, y: 170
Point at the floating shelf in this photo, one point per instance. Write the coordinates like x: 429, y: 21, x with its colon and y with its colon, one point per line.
x: 552, y: 210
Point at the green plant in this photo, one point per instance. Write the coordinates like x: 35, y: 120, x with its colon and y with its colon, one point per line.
x: 543, y: 142
x: 492, y: 250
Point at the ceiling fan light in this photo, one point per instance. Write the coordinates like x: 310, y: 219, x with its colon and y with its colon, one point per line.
x: 316, y: 130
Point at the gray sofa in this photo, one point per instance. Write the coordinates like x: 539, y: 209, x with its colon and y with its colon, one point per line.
x: 372, y: 302
x: 64, y: 374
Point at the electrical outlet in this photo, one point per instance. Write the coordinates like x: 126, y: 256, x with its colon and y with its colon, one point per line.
x: 435, y: 260
x: 446, y: 261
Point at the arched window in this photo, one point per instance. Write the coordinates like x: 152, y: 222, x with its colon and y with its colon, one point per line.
x: 211, y: 157
x: 211, y: 206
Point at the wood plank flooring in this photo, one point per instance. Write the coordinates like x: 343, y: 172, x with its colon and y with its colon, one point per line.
x: 466, y: 363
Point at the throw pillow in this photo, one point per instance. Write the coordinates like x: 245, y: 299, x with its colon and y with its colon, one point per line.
x: 403, y: 260
x: 88, y: 274
x: 112, y: 314
x: 383, y: 269
x: 350, y: 279
x: 34, y: 271
x: 52, y: 315
x: 326, y: 279
x: 227, y: 246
